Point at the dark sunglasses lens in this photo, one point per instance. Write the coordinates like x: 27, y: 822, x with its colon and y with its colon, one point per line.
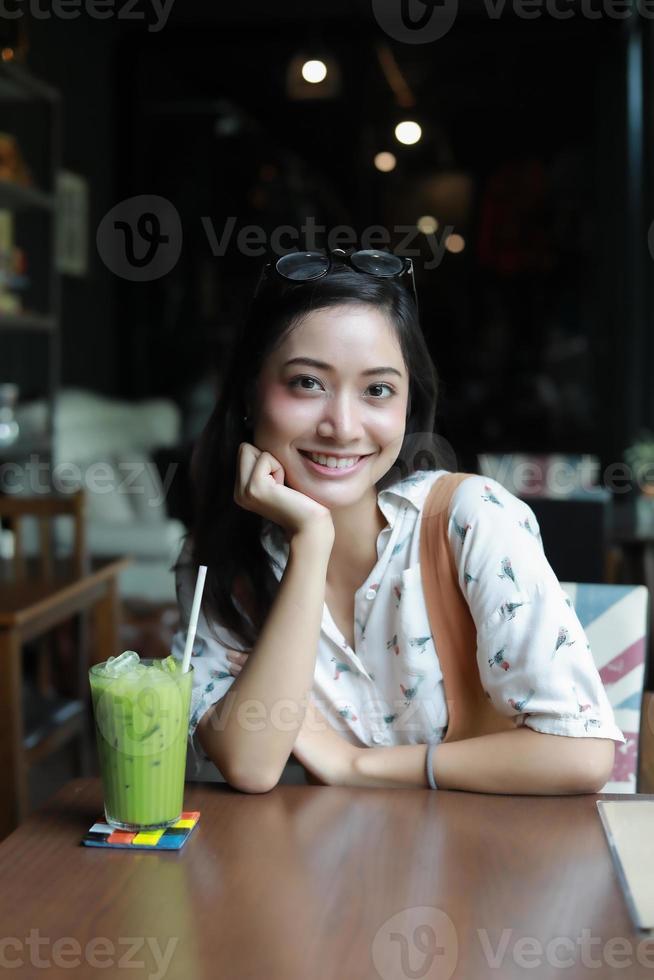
x: 302, y: 266
x: 377, y: 263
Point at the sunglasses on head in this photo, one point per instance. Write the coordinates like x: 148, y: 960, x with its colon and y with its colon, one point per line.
x: 309, y: 266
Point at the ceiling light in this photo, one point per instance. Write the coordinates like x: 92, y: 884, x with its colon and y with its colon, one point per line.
x: 314, y: 71
x: 385, y: 161
x: 455, y: 243
x: 408, y: 132
x: 427, y: 224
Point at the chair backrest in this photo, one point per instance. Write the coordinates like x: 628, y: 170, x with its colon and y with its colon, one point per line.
x: 45, y: 509
x: 615, y: 619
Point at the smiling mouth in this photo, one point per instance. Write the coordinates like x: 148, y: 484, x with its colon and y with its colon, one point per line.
x: 308, y: 452
x: 352, y: 460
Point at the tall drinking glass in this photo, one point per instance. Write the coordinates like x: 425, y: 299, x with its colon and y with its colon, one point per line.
x: 141, y: 710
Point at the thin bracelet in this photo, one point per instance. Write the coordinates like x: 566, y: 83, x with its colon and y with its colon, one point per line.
x: 429, y: 765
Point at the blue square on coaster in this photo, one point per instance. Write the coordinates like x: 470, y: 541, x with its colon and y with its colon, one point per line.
x: 169, y: 839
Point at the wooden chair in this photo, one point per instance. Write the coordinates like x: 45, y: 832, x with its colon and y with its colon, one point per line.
x: 52, y: 718
x: 15, y: 509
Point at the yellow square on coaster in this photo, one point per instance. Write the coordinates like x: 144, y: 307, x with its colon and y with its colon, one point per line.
x: 149, y: 837
x: 185, y: 823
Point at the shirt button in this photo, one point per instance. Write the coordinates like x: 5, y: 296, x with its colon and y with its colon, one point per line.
x: 377, y: 738
x: 371, y: 593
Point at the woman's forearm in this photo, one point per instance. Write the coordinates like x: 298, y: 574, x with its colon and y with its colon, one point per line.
x: 249, y: 735
x: 521, y: 762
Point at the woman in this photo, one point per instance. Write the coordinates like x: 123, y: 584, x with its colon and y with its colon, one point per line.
x: 309, y: 488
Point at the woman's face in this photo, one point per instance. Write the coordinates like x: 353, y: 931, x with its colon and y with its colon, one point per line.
x: 350, y: 409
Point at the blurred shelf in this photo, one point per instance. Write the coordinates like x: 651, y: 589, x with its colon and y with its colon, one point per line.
x: 15, y: 197
x: 28, y: 321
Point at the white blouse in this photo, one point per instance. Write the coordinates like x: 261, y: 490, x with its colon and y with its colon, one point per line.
x: 534, y: 658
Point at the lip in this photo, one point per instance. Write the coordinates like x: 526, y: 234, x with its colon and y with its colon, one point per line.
x: 333, y: 472
x: 325, y: 452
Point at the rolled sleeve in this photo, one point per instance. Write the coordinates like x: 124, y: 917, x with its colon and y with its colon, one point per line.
x: 534, y: 658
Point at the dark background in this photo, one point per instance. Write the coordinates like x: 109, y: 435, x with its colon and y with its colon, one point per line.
x: 540, y: 328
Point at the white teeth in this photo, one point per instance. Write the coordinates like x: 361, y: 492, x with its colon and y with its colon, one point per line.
x: 333, y: 462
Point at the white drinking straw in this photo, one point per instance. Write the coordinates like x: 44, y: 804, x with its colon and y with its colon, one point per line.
x: 193, y: 621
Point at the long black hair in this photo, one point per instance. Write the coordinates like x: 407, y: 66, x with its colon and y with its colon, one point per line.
x: 225, y: 537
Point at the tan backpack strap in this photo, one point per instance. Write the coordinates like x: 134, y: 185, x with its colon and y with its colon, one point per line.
x: 470, y: 712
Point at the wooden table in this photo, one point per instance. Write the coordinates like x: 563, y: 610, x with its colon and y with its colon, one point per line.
x: 311, y: 883
x: 28, y: 609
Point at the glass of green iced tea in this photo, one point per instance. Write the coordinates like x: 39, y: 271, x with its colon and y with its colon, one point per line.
x: 141, y: 711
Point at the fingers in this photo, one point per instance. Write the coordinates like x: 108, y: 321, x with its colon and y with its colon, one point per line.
x: 248, y: 457
x: 236, y: 661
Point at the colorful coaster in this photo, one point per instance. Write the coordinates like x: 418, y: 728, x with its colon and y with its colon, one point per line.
x: 170, y: 839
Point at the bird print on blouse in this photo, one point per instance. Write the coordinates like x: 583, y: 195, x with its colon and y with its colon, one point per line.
x: 507, y: 571
x: 340, y: 668
x: 393, y: 645
x: 508, y: 609
x: 524, y: 620
x: 461, y: 529
x: 400, y: 546
x: 490, y: 496
x: 198, y: 647
x: 582, y: 707
x: 419, y: 642
x: 519, y: 706
x: 410, y: 692
x: 498, y: 658
x: 562, y: 640
x: 590, y: 721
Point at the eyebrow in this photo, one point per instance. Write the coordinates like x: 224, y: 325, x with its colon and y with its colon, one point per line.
x: 328, y: 367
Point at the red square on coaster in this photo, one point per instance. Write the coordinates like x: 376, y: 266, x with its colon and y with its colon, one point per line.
x: 190, y: 815
x: 121, y: 837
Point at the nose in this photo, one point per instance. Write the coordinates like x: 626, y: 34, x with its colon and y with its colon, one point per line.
x: 341, y: 421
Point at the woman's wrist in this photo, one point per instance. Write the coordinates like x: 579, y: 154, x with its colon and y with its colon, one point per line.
x: 316, y: 539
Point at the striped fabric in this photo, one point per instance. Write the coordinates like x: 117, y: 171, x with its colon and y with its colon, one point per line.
x: 615, y: 620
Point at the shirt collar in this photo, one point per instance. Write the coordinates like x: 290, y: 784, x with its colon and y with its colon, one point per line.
x: 411, y: 491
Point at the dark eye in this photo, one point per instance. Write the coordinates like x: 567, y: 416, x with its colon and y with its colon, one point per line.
x: 297, y: 383
x: 391, y: 391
